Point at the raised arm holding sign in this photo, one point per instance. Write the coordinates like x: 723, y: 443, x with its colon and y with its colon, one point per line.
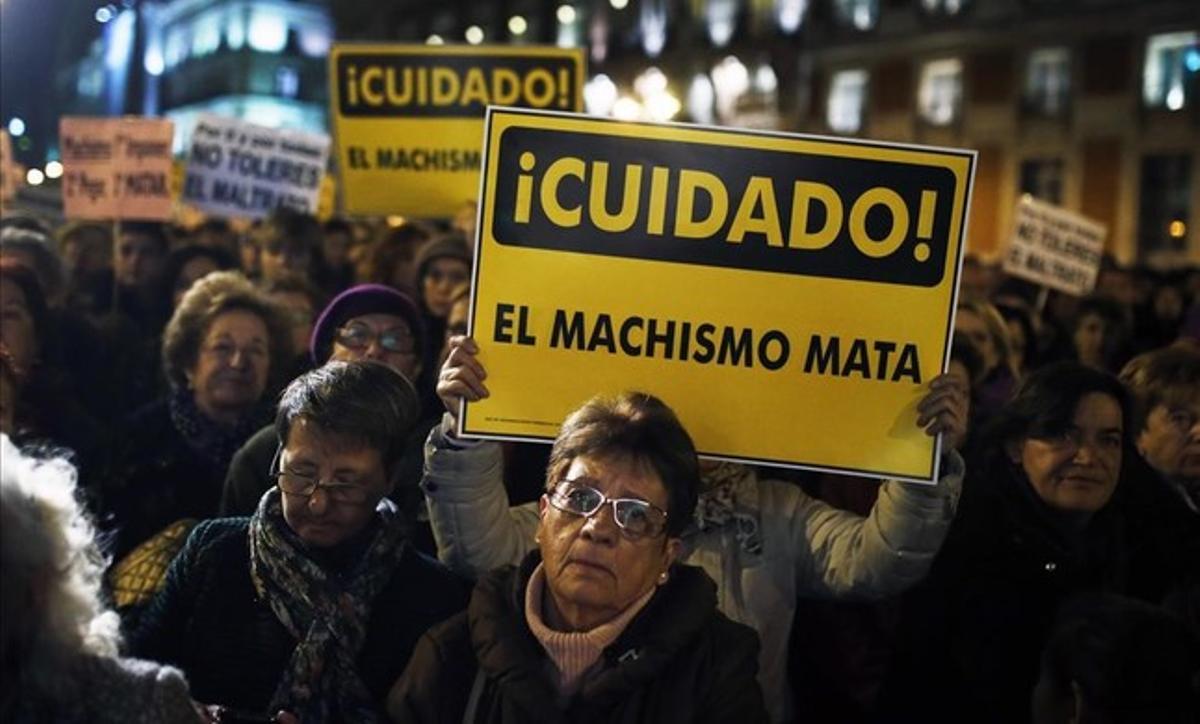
x: 797, y: 546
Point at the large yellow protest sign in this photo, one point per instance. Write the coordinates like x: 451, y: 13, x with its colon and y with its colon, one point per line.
x: 408, y: 119
x: 789, y: 296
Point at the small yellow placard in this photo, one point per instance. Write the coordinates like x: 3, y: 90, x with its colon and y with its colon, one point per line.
x: 409, y: 118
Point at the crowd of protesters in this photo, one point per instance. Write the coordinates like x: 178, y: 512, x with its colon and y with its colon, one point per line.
x: 232, y: 491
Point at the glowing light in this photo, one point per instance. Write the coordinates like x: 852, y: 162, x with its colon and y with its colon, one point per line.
x: 395, y: 221
x: 700, y: 99
x: 627, y: 109
x: 599, y: 95
x: 1191, y: 60
x: 314, y: 42
x: 517, y: 25
x: 653, y: 24
x: 474, y: 35
x: 1177, y: 229
x: 16, y: 127
x: 662, y: 106
x: 790, y: 13
x: 120, y: 41
x: 103, y: 15
x: 618, y: 4
x: 1175, y: 97
x: 268, y: 32
x: 153, y: 60
x: 54, y: 169
x: 35, y: 177
x: 566, y: 14
x: 720, y: 16
x: 650, y: 82
x: 764, y: 79
x: 435, y: 39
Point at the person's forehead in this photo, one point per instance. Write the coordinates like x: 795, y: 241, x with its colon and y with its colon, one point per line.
x: 309, y: 440
x: 239, y: 321
x: 1096, y: 410
x: 1179, y: 397
x: 620, y: 476
x: 447, y: 262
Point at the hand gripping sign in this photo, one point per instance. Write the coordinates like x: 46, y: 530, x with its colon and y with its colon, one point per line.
x: 409, y: 118
x: 789, y: 296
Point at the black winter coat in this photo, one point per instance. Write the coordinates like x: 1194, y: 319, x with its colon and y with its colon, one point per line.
x: 972, y: 632
x: 209, y: 622
x: 679, y: 660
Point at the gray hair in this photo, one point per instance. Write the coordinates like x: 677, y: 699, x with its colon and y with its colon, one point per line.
x: 53, y: 568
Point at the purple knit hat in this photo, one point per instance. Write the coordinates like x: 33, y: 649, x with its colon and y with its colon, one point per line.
x: 355, y: 302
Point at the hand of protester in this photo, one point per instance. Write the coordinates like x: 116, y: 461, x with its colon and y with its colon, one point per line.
x: 944, y: 410
x: 286, y: 717
x: 461, y: 376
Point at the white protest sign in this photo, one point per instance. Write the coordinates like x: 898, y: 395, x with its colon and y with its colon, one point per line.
x: 240, y: 169
x: 1055, y: 248
x: 116, y: 168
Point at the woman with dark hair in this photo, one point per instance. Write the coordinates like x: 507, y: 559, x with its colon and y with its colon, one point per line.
x: 46, y: 407
x: 225, y: 349
x: 1034, y: 528
x: 313, y: 604
x: 1099, y: 334
x: 599, y: 622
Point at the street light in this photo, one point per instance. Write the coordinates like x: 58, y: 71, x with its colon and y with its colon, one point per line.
x: 16, y: 127
x: 474, y: 35
x: 517, y: 25
x: 54, y: 169
x: 35, y: 177
x: 566, y: 14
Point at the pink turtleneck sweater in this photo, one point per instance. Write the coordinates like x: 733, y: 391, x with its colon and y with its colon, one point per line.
x: 573, y: 652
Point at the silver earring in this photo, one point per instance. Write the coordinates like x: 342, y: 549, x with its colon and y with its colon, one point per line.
x: 662, y: 577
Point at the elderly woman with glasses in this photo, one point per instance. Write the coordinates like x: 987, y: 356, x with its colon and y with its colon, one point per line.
x: 312, y: 605
x: 224, y: 353
x: 764, y: 542
x: 600, y: 622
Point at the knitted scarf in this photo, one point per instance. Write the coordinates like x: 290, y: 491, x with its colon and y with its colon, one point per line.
x: 321, y: 682
x: 718, y: 507
x: 214, y: 442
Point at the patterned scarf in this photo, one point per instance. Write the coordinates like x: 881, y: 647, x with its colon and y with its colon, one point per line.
x: 213, y: 442
x: 328, y: 620
x: 723, y: 488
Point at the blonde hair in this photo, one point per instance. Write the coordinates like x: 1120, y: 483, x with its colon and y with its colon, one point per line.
x: 52, y: 567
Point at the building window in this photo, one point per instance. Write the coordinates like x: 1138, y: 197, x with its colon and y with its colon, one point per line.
x: 847, y: 97
x: 1172, y: 66
x: 1164, y: 210
x: 858, y: 14
x: 944, y: 7
x: 287, y: 82
x: 1048, y: 81
x: 939, y: 98
x: 1042, y: 178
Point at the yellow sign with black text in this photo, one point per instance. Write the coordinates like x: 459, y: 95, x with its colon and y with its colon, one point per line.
x: 408, y: 119
x: 789, y: 296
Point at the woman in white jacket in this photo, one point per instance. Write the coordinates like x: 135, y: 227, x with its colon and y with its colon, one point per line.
x: 764, y: 542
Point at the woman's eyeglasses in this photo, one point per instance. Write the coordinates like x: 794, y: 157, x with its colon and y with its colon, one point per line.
x: 636, y: 518
x: 305, y: 486
x: 360, y: 336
